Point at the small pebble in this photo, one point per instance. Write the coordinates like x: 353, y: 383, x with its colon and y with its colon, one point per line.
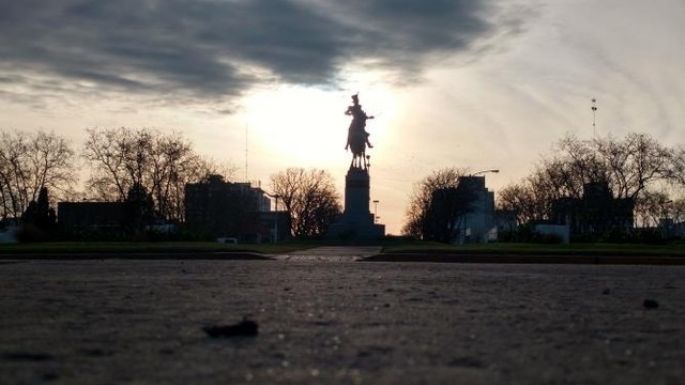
x: 166, y: 351
x: 650, y: 304
x: 50, y: 376
x: 245, y: 328
x: 27, y: 356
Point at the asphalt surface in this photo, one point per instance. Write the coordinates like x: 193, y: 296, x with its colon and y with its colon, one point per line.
x: 335, y: 321
x: 330, y: 254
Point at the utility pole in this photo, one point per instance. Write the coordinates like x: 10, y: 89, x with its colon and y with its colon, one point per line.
x: 594, y: 116
x: 276, y: 196
x: 375, y: 210
x: 246, y: 180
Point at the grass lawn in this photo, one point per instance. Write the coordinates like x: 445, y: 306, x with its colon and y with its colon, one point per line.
x: 145, y: 247
x: 390, y: 246
x: 533, y: 248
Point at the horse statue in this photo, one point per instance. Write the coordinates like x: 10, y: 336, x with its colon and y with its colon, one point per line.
x: 357, y: 137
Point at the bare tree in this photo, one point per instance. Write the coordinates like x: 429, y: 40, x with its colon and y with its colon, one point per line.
x: 677, y: 210
x: 29, y: 163
x: 678, y: 167
x: 310, y: 198
x: 160, y: 163
x: 629, y: 166
x: 650, y: 207
x: 521, y: 200
x: 437, y: 206
x: 653, y: 206
x: 636, y: 162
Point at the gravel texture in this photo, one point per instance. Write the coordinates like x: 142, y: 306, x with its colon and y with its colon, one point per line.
x: 141, y: 322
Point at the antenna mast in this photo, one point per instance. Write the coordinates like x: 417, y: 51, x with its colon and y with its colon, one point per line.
x: 246, y: 127
x: 594, y: 116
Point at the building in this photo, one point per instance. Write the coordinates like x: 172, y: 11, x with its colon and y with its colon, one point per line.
x: 596, y: 214
x: 133, y: 216
x: 478, y: 224
x: 461, y: 214
x: 8, y: 230
x: 670, y: 228
x: 277, y: 224
x: 506, y: 221
x: 92, y: 217
x: 217, y: 208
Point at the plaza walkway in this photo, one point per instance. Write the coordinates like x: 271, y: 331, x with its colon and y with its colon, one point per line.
x: 331, y: 254
x: 141, y: 322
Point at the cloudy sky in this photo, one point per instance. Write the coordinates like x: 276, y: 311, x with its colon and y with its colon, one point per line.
x: 468, y: 83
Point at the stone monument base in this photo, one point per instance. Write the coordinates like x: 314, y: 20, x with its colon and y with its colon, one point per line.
x: 347, y: 229
x: 357, y: 222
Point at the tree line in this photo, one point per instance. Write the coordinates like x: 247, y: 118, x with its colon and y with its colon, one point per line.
x: 636, y: 166
x: 436, y: 206
x: 117, y: 161
x: 29, y: 163
x: 309, y: 196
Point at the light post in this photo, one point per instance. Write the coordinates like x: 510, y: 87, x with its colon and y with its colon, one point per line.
x: 375, y: 210
x: 275, y: 196
x: 494, y: 171
x: 667, y: 221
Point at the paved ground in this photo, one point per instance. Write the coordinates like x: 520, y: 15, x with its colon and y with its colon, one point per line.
x: 330, y: 254
x: 139, y: 322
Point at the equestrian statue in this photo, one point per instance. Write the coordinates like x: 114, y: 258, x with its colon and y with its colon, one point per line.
x: 357, y: 137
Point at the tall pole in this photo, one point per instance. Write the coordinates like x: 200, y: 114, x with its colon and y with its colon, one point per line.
x: 594, y: 117
x: 667, y: 222
x: 275, y: 196
x: 276, y: 219
x: 246, y: 180
x: 375, y: 210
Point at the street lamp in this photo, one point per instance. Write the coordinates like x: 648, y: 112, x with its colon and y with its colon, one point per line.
x: 275, y: 196
x: 494, y: 171
x: 375, y: 210
x: 667, y: 220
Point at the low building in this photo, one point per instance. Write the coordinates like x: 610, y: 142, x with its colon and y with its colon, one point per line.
x: 130, y: 217
x: 596, y: 214
x: 671, y: 229
x: 91, y: 217
x: 216, y: 208
x: 677, y: 230
x: 277, y: 224
x: 552, y: 233
x: 8, y: 230
x: 506, y: 221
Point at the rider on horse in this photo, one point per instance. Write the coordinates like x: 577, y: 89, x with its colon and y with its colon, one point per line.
x: 357, y: 128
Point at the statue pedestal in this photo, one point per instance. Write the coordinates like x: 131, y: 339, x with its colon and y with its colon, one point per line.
x: 357, y: 222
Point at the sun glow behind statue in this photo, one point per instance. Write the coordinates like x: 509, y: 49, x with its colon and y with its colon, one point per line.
x: 306, y: 127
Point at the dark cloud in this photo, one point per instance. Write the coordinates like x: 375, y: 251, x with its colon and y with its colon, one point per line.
x: 221, y: 47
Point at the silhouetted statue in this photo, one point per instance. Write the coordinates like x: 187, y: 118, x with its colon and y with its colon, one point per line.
x: 357, y: 137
